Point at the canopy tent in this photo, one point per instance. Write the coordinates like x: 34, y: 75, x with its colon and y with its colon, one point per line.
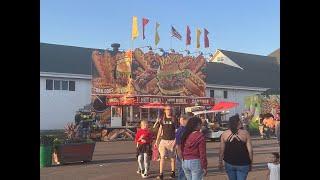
x: 219, y: 107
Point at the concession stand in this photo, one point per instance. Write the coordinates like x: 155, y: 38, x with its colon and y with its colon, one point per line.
x: 128, y: 86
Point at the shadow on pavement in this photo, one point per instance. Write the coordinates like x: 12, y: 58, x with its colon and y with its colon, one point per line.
x: 98, y: 162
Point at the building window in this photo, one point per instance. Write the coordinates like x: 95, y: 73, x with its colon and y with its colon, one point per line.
x: 57, y: 85
x: 220, y: 59
x: 60, y: 85
x: 64, y: 85
x: 49, y: 84
x: 72, y: 85
x: 225, y: 94
x: 212, y: 93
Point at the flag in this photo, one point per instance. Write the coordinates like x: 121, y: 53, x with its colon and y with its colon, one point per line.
x: 206, y: 39
x: 157, y: 38
x: 175, y: 33
x: 144, y: 23
x: 188, y: 39
x: 198, y: 38
x: 135, y: 31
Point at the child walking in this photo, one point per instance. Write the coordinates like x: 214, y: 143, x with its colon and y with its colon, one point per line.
x: 144, y: 148
x: 274, y: 167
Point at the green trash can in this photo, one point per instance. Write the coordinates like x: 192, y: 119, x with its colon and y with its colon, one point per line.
x: 45, y: 156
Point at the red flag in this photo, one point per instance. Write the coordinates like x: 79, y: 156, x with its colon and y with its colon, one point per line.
x: 144, y: 23
x: 188, y: 39
x: 206, y: 39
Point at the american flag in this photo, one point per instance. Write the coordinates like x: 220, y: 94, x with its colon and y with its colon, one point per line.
x: 175, y: 33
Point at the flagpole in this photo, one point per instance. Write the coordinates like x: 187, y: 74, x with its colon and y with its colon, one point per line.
x: 131, y: 44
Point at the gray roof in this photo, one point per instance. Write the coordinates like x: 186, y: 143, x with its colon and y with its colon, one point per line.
x: 258, y: 71
x: 65, y: 59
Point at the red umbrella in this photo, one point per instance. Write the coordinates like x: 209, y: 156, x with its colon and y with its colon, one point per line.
x: 224, y: 105
x: 219, y: 107
x: 154, y: 105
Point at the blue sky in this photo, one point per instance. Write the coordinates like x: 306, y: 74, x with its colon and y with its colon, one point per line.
x: 250, y: 26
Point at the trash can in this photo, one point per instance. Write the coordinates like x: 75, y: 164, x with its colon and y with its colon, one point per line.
x: 45, y: 156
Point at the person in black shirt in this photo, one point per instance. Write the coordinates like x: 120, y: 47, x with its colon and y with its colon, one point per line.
x: 236, y: 150
x: 167, y: 143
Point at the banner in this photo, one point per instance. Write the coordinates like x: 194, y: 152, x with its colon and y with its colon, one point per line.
x: 148, y: 74
x: 145, y: 21
x: 188, y: 38
x: 173, y: 74
x: 206, y: 39
x: 198, y: 33
x: 111, y: 73
x: 134, y: 31
x: 157, y: 37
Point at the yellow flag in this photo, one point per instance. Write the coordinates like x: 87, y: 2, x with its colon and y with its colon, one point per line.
x: 198, y: 38
x: 135, y: 31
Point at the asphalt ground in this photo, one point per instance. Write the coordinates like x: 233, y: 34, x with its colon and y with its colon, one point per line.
x: 116, y: 160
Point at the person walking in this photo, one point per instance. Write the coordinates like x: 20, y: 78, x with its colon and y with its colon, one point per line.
x: 179, y: 133
x: 194, y: 153
x: 236, y: 150
x: 166, y: 141
x: 144, y: 150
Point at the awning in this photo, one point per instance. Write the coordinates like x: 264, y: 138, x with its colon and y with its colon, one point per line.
x: 219, y: 107
x: 155, y: 105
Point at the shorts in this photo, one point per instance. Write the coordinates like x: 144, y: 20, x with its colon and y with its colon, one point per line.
x: 167, y: 148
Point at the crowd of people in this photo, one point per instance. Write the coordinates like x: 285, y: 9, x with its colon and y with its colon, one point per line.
x: 182, y: 140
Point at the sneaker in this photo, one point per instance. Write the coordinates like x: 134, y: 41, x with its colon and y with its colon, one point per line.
x: 144, y: 175
x: 173, y: 175
x: 139, y: 172
x: 160, y: 177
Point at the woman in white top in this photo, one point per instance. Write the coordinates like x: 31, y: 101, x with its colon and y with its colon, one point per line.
x: 274, y: 167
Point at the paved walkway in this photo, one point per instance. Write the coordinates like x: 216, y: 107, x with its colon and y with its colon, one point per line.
x: 116, y: 160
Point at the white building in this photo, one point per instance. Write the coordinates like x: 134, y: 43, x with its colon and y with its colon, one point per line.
x: 232, y: 76
x: 65, y: 83
x: 65, y: 80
